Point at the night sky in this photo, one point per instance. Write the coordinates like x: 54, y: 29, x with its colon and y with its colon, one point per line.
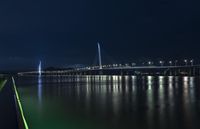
x: 65, y: 32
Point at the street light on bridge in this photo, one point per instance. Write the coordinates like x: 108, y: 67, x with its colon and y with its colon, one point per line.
x: 170, y: 63
x: 192, y: 62
x: 161, y: 63
x: 186, y: 62
x: 150, y: 63
x: 126, y: 65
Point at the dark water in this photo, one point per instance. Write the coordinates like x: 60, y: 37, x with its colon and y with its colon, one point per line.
x: 111, y: 102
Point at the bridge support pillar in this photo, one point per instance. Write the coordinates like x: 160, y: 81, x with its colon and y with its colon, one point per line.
x: 121, y: 73
x: 100, y: 72
x: 170, y: 72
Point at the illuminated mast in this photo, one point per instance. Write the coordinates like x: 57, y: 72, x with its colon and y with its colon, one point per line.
x: 99, y: 52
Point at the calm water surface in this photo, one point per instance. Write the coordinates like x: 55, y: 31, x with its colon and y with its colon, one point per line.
x: 111, y: 102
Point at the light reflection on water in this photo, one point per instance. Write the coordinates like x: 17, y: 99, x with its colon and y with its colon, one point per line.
x: 114, y: 102
x: 40, y: 90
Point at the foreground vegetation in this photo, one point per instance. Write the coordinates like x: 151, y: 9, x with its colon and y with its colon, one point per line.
x: 2, y: 83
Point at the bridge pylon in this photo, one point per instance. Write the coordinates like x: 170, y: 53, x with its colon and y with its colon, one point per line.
x: 99, y: 55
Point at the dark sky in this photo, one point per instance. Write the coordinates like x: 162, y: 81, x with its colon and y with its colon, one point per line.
x: 63, y: 32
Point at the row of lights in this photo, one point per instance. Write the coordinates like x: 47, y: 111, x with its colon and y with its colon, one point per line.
x: 149, y: 63
x: 176, y: 61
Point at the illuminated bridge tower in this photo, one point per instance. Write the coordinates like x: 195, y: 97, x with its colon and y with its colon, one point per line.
x: 99, y: 55
x: 40, y: 69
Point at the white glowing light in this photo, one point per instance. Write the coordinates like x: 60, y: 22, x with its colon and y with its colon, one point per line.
x: 185, y: 79
x: 40, y: 68
x: 99, y: 53
x: 170, y: 78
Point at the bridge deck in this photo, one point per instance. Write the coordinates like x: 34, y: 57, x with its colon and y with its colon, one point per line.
x: 8, y: 116
x: 116, y: 68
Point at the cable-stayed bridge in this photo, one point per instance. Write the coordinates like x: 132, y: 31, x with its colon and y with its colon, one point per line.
x: 188, y: 68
